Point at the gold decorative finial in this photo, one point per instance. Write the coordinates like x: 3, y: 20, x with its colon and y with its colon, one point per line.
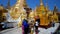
x: 24, y: 4
x: 41, y: 3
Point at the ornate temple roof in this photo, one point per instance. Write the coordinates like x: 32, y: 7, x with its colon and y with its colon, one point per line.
x: 25, y: 4
x: 3, y: 9
x: 18, y: 9
x: 41, y: 7
x: 55, y: 9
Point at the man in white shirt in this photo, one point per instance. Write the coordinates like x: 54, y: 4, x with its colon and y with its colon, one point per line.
x: 36, y: 26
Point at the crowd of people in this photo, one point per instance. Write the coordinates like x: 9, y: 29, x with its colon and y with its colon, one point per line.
x: 27, y: 27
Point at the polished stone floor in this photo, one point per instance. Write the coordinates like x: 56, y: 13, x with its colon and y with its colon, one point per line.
x: 41, y: 30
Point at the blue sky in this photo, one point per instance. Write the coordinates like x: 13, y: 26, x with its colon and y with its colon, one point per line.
x: 33, y: 3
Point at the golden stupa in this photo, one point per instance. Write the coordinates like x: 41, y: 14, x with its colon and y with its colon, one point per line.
x: 3, y: 12
x: 42, y: 13
x: 18, y: 10
x: 55, y: 14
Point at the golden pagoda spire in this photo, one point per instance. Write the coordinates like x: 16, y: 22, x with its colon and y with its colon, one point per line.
x: 41, y: 3
x: 16, y: 9
x: 40, y: 9
x: 18, y: 3
x: 24, y: 3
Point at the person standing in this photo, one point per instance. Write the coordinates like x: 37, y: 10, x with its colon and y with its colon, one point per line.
x: 53, y: 23
x: 37, y: 18
x: 26, y: 26
x: 37, y: 23
x: 36, y: 27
